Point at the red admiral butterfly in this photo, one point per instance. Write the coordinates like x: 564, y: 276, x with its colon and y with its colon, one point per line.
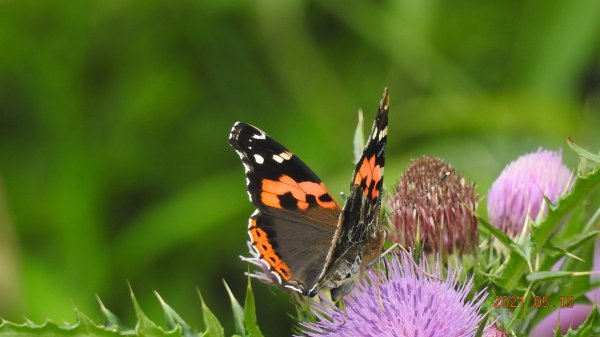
x: 298, y: 229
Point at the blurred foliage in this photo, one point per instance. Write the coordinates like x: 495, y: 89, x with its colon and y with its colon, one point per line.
x: 114, y: 118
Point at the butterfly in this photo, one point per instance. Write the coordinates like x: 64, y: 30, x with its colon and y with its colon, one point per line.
x: 298, y: 229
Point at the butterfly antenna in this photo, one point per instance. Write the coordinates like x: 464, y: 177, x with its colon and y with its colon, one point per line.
x: 437, y: 183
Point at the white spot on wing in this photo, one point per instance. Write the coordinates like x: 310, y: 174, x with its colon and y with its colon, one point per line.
x: 260, y: 136
x: 232, y: 129
x: 278, y: 158
x: 374, y: 132
x: 293, y: 288
x: 259, y: 159
x: 273, y: 272
x: 383, y: 133
x: 286, y: 155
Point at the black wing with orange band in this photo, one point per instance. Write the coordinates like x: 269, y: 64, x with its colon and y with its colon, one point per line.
x: 296, y: 219
x: 369, y: 169
x: 360, y: 215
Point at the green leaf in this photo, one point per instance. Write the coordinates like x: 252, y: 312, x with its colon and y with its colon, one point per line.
x: 359, y: 138
x: 582, y: 188
x: 112, y: 321
x: 576, y: 287
x: 238, y: 312
x: 144, y: 326
x: 250, y: 313
x: 566, y: 250
x: 51, y: 329
x: 588, y: 161
x: 174, y: 321
x: 85, y: 327
x: 525, y: 247
x: 520, y: 309
x: 213, y: 326
x: 548, y: 275
x: 495, y: 231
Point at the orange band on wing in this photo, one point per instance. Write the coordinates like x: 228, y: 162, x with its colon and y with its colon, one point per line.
x: 367, y: 173
x: 273, y: 189
x: 261, y: 241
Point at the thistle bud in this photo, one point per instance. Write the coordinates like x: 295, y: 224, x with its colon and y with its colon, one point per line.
x: 434, y: 206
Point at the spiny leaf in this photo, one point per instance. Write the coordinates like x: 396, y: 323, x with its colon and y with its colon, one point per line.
x: 51, y: 329
x: 86, y: 327
x: 213, y: 326
x: 174, y: 321
x: 577, y: 293
x: 83, y: 320
x: 496, y: 232
x: 588, y: 161
x: 250, y: 313
x: 565, y: 250
x: 112, y: 321
x: 238, y: 312
x: 144, y: 326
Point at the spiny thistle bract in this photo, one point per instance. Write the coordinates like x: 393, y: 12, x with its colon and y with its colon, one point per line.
x: 434, y: 206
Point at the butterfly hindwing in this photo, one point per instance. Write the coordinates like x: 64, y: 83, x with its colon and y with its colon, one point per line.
x: 296, y: 215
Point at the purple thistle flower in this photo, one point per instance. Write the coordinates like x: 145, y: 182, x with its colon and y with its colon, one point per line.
x: 520, y: 189
x: 414, y: 301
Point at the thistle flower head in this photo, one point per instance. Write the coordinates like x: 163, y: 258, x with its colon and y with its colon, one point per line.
x: 434, y: 205
x: 414, y: 301
x: 520, y: 189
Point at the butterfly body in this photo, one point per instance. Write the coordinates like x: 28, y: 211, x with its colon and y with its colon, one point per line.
x: 298, y: 230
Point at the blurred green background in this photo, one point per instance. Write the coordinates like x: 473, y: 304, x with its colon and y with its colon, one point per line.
x: 114, y: 119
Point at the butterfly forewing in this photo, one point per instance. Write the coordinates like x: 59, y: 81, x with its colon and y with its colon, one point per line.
x: 296, y: 215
